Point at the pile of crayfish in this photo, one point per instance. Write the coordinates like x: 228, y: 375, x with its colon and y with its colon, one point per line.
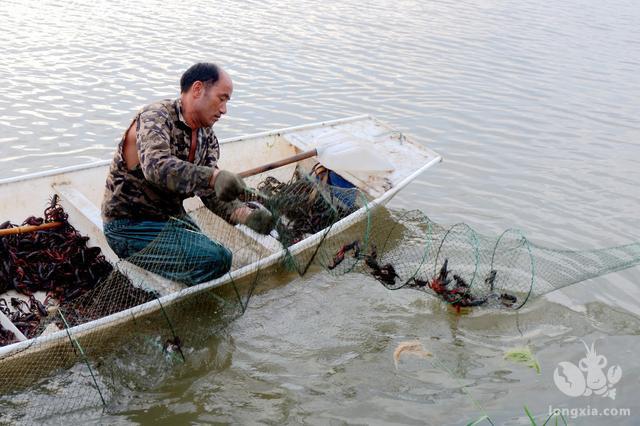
x: 458, y: 294
x: 6, y: 336
x: 56, y: 260
x: 25, y: 316
x: 386, y: 273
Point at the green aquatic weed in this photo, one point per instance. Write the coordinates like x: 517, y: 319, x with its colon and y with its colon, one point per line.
x: 522, y: 355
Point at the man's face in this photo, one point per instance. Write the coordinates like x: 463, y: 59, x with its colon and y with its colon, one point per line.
x: 211, y: 101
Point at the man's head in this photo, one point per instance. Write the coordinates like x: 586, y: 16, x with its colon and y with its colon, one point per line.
x: 205, y: 89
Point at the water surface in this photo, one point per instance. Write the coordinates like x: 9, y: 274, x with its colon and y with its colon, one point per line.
x: 534, y: 106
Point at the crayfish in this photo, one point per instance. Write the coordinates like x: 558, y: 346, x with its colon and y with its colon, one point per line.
x: 339, y: 256
x: 386, y: 274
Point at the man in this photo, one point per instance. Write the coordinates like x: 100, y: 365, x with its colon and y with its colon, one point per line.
x: 169, y: 153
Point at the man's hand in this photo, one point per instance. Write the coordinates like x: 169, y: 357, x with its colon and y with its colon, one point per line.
x: 260, y: 220
x: 228, y: 186
x: 255, y: 216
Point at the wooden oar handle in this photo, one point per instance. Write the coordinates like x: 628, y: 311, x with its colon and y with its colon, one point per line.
x: 30, y: 228
x: 279, y: 163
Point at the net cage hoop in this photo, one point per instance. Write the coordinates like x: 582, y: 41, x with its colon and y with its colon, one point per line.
x: 474, y: 244
x: 425, y: 253
x: 524, y: 242
x: 426, y: 250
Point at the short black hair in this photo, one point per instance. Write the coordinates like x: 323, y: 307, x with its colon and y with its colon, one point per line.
x: 205, y: 72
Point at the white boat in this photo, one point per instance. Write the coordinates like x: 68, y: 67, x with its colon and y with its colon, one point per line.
x: 81, y: 189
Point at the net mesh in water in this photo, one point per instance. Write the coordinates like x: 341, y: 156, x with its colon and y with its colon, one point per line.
x: 468, y: 269
x: 82, y: 360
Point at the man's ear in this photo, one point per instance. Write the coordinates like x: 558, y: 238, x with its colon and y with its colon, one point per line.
x: 198, y: 89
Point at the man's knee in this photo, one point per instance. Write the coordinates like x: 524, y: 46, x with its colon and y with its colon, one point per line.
x: 217, y: 262
x: 223, y: 258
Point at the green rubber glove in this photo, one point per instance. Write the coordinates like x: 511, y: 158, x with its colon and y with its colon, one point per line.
x: 260, y: 220
x: 228, y: 186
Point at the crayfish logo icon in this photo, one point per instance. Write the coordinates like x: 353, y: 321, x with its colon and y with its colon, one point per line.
x: 572, y: 380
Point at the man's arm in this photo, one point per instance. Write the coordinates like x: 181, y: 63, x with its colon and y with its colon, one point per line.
x: 221, y: 208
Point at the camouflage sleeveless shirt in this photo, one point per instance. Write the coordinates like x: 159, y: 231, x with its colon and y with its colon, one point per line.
x: 155, y: 189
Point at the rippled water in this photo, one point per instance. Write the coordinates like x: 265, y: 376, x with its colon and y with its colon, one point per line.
x: 534, y: 106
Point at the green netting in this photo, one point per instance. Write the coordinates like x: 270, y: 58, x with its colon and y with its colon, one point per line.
x: 467, y: 269
x: 82, y: 361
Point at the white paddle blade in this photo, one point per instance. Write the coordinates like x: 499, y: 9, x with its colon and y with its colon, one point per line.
x: 352, y: 156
